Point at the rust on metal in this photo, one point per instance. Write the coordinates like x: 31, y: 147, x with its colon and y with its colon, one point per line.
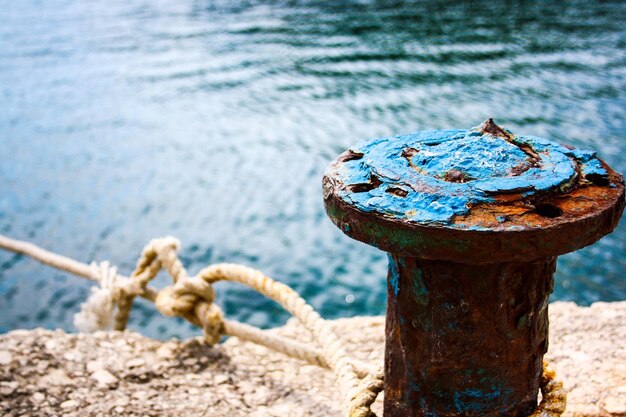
x: 452, y: 350
x: 473, y: 221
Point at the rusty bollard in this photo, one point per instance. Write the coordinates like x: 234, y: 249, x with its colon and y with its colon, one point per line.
x: 473, y: 221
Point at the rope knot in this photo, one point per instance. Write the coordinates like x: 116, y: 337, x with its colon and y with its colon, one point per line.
x: 192, y: 299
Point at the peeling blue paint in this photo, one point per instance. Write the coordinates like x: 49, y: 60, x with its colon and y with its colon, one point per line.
x: 394, y: 276
x: 405, y: 176
x: 475, y: 400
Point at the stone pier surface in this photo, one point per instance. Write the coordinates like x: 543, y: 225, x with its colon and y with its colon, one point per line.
x: 52, y: 373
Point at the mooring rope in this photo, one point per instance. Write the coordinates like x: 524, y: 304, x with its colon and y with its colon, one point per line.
x: 191, y: 297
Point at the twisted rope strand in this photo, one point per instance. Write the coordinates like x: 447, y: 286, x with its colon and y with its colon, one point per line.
x: 554, y: 396
x: 332, y: 349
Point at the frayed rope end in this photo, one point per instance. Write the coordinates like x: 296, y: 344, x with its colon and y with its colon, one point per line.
x: 97, y: 312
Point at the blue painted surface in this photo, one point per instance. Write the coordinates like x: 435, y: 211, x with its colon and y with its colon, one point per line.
x: 475, y: 400
x: 408, y: 172
x: 394, y: 276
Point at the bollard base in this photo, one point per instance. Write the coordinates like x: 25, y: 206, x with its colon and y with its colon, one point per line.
x: 465, y: 340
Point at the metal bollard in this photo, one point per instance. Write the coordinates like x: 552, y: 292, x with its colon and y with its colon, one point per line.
x: 473, y: 221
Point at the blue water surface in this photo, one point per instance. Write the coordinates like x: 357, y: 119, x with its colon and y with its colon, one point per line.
x: 213, y: 121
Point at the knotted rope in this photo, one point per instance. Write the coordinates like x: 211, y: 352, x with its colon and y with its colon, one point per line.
x: 192, y: 298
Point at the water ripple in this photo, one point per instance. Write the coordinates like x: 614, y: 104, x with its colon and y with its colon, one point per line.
x: 213, y: 121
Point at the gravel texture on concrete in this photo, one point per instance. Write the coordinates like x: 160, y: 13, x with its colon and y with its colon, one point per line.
x: 53, y: 373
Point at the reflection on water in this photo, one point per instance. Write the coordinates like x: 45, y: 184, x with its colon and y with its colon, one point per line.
x: 212, y: 121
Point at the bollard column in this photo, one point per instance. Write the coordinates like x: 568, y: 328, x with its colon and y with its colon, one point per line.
x: 473, y: 221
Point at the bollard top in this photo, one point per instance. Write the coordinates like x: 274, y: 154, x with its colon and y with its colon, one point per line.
x: 476, y: 196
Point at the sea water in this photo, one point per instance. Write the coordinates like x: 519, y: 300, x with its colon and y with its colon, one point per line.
x: 212, y: 121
